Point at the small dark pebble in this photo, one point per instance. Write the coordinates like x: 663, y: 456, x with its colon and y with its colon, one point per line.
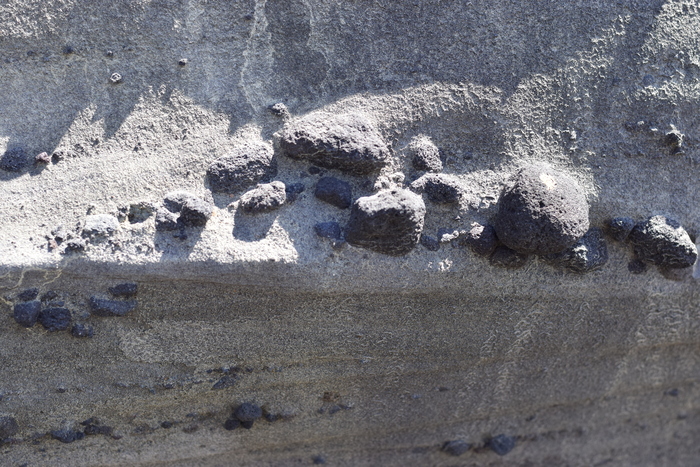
x: 126, y: 290
x: 663, y: 242
x: 247, y: 425
x: 331, y: 230
x: 28, y: 294
x: 55, y: 319
x: 248, y: 412
x: 82, y: 330
x: 264, y: 198
x: 75, y: 245
x: 59, y: 233
x: 313, y: 170
x: 42, y: 158
x: 26, y: 314
x: 588, y: 254
x: 14, y: 160
x: 674, y: 140
x: 426, y: 155
x: 232, y: 424
x: 166, y: 425
x: 191, y: 428
x: 501, y: 444
x: 105, y: 307
x: 504, y: 257
x: 90, y: 421
x: 293, y: 191
x: 67, y: 436
x: 195, y: 212
x: 67, y: 50
x: 672, y: 392
x: 225, y: 381
x: 619, y: 228
x: 166, y: 221
x: 430, y: 243
x: 481, y: 239
x: 456, y: 447
x: 319, y: 460
x: 334, y: 191
x: 182, y: 62
x: 8, y: 427
x: 98, y: 430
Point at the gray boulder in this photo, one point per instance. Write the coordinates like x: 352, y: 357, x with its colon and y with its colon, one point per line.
x: 587, y: 254
x: 265, y: 197
x: 663, y: 242
x: 425, y: 155
x: 244, y: 167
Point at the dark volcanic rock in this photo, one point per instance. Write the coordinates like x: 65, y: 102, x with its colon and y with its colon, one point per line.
x: 293, y: 191
x: 182, y: 209
x: 430, y: 243
x: 426, y: 155
x: 244, y: 167
x: 8, y: 427
x: 195, y: 212
x: 480, y: 238
x: 504, y: 257
x: 263, y: 198
x: 542, y: 211
x: 166, y: 220
x: 14, y: 160
x: 67, y: 435
x: 619, y: 228
x: 456, y: 447
x: 440, y: 188
x: 502, y: 444
x: 126, y: 290
x: 247, y: 412
x: 75, y: 245
x: 55, y: 319
x: 663, y: 242
x: 105, y: 307
x: 176, y: 200
x: 82, y: 330
x: 334, y: 191
x: 27, y: 313
x: 388, y: 222
x: 28, y: 294
x: 348, y: 142
x: 331, y: 230
x: 588, y: 254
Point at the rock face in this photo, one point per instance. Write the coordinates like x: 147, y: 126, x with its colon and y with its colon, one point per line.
x: 244, y: 167
x: 348, y: 143
x: 587, y: 254
x: 542, y: 211
x: 265, y: 197
x: 388, y: 222
x: 425, y: 155
x: 182, y: 209
x: 334, y: 191
x: 663, y: 242
x: 440, y: 188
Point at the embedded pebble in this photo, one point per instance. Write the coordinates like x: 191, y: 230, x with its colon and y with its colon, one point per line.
x: 334, y: 191
x: 331, y: 230
x: 426, y: 155
x: 587, y: 254
x: 140, y: 211
x: 456, y: 447
x: 440, y: 188
x: 182, y: 209
x: 105, y: 307
x: 55, y: 319
x: 481, y: 239
x: 232, y: 424
x: 100, y: 225
x: 26, y: 314
x: 28, y: 294
x: 13, y: 160
x: 67, y: 435
x: 663, y: 242
x: 75, y: 245
x: 247, y: 412
x: 541, y: 211
x: 502, y: 444
x: 446, y: 235
x: 430, y: 243
x: 674, y: 140
x: 125, y: 290
x: 619, y: 228
x: 293, y: 191
x: 166, y: 220
x: 243, y: 168
x: 388, y: 222
x: 195, y: 212
x: 264, y: 198
x: 346, y: 142
x: 8, y: 427
x: 42, y: 158
x: 82, y: 330
x: 505, y: 257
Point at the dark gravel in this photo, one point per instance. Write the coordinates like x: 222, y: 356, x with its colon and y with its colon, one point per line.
x: 27, y: 313
x: 663, y: 242
x: 55, y: 319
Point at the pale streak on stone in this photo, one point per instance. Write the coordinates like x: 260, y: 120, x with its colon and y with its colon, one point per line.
x: 548, y: 181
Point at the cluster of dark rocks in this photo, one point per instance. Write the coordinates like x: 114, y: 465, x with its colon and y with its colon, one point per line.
x: 51, y: 312
x: 182, y: 209
x: 244, y: 416
x: 500, y: 444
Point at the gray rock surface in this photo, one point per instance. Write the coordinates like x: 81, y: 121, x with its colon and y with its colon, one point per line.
x: 246, y: 165
x: 425, y: 155
x: 264, y: 198
x: 440, y: 188
x: 334, y: 191
x: 100, y: 225
x: 589, y: 253
x: 663, y: 242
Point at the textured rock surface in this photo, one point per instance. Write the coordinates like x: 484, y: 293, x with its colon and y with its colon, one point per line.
x: 245, y: 166
x: 541, y: 211
x: 663, y: 242
x: 263, y: 198
x: 334, y: 191
x: 389, y: 222
x: 425, y: 155
x: 439, y: 188
x: 589, y: 253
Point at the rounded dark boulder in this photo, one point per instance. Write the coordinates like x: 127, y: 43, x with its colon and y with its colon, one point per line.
x: 244, y: 167
x: 541, y: 211
x: 247, y: 412
x: 388, y: 222
x: 663, y: 242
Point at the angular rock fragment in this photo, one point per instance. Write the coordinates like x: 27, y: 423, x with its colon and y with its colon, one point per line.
x: 67, y: 435
x: 587, y: 254
x: 246, y: 165
x: 331, y: 230
x: 293, y: 191
x: 542, y: 211
x: 182, y: 209
x: 75, y: 245
x: 55, y: 319
x: 440, y: 188
x: 620, y: 227
x: 388, y: 222
x: 247, y: 412
x: 166, y: 220
x: 195, y: 212
x: 430, y: 243
x: 425, y: 155
x: 106, y: 307
x: 346, y: 142
x: 28, y: 294
x: 481, y: 239
x: 125, y: 290
x: 13, y: 160
x: 501, y: 444
x: 456, y: 447
x: 100, y: 225
x: 663, y: 242
x: 505, y: 257
x: 27, y: 313
x: 8, y: 427
x: 263, y: 198
x: 334, y: 191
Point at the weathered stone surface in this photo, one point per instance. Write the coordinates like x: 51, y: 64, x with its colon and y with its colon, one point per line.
x: 425, y: 155
x: 247, y: 165
x: 440, y: 188
x: 55, y: 319
x: 480, y: 238
x: 541, y: 211
x: 589, y: 253
x: 26, y: 314
x: 389, y: 222
x: 334, y: 191
x: 346, y: 142
x: 663, y: 242
x: 264, y: 198
x: 100, y: 226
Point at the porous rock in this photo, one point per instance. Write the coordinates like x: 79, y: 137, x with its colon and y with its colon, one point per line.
x: 140, y: 211
x: 663, y: 242
x: 28, y: 294
x: 388, y: 222
x: 587, y: 254
x: 100, y: 225
x: 334, y: 191
x: 481, y: 238
x: 245, y: 166
x: 8, y: 427
x: 541, y: 211
x: 346, y: 142
x: 293, y: 191
x: 105, y: 307
x: 425, y: 155
x: 247, y: 412
x: 183, y: 209
x: 55, y: 319
x: 440, y: 188
x: 619, y: 228
x: 501, y: 444
x: 263, y: 198
x: 26, y: 314
x: 166, y: 220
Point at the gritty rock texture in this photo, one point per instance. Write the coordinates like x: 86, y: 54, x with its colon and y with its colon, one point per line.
x: 587, y: 254
x: 26, y: 314
x: 100, y: 225
x: 481, y: 239
x: 55, y: 319
x: 334, y: 191
x: 346, y: 142
x: 439, y: 188
x: 389, y: 222
x: 619, y: 228
x: 425, y: 155
x: 541, y: 211
x: 264, y: 198
x: 663, y: 242
x: 8, y: 427
x: 244, y: 167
